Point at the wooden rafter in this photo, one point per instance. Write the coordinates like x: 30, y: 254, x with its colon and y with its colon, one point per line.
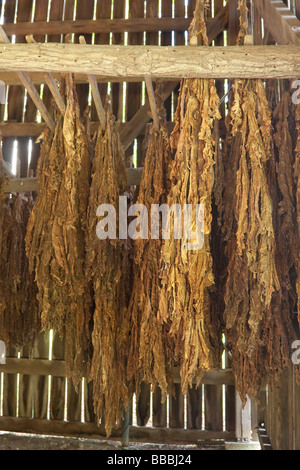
x: 52, y: 84
x: 95, y: 93
x: 280, y: 21
x: 136, y: 125
x: 152, y: 103
x: 27, y: 83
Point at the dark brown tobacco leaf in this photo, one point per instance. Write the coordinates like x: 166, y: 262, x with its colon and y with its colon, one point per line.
x: 19, y: 313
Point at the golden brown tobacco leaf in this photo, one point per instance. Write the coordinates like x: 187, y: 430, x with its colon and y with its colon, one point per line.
x: 252, y: 277
x: 187, y: 275
x: 150, y: 356
x: 107, y: 269
x: 55, y: 240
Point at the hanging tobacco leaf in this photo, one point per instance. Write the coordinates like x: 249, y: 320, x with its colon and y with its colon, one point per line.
x: 19, y: 313
x: 107, y: 267
x: 55, y: 240
x: 187, y: 274
x: 150, y: 356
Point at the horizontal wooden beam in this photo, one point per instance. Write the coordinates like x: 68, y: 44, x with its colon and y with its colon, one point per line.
x: 280, y: 21
x: 132, y: 25
x: 24, y: 185
x: 167, y: 62
x: 33, y: 129
x: 38, y: 78
x: 56, y: 368
x: 34, y: 367
x: 214, y: 28
x: 92, y: 430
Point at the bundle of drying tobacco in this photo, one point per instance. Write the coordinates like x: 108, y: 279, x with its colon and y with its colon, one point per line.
x: 107, y: 268
x: 150, y: 352
x: 55, y: 240
x: 187, y: 273
x: 254, y: 326
x: 19, y: 313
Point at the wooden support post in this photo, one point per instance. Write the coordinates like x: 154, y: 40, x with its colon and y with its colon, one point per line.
x: 51, y: 84
x: 152, y: 102
x: 96, y: 94
x: 243, y: 420
x: 26, y: 81
x: 125, y: 432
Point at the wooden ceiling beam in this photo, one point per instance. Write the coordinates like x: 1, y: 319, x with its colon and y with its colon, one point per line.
x: 169, y: 63
x: 282, y: 24
x: 214, y: 28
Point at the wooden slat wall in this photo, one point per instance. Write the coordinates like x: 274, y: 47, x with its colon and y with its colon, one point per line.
x: 282, y: 414
x: 203, y: 408
x: 136, y: 10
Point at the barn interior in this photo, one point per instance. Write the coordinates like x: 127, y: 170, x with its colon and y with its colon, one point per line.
x: 149, y: 341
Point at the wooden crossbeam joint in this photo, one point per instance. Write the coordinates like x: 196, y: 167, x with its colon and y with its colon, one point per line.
x: 152, y: 102
x: 96, y: 95
x: 27, y: 83
x: 51, y: 84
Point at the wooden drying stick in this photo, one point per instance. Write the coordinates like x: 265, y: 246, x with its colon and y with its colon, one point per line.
x: 27, y: 83
x: 51, y: 84
x: 95, y: 92
x: 152, y: 102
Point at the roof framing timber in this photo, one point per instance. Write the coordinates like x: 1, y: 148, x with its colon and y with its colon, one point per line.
x: 133, y: 25
x: 158, y: 62
x: 280, y: 21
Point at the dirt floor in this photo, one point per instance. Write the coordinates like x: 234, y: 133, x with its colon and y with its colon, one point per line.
x: 16, y: 441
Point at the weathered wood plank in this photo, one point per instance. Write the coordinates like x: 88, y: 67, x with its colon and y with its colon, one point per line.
x: 136, y: 10
x: 58, y: 384
x: 213, y: 408
x: 140, y: 434
x: 10, y: 387
x: 89, y: 26
x: 56, y: 368
x: 159, y: 410
x: 194, y: 408
x: 23, y: 185
x: 280, y: 21
x: 169, y: 63
x: 176, y: 411
x: 143, y: 405
x: 74, y: 399
x: 41, y: 367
